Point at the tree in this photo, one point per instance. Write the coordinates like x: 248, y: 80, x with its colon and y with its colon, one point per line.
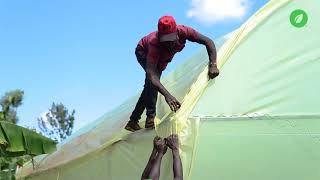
x: 9, y: 103
x: 8, y: 166
x: 19, y: 145
x: 12, y: 135
x: 57, y: 123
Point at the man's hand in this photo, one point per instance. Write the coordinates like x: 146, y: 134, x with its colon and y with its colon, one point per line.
x: 172, y: 142
x: 213, y: 71
x: 173, y: 103
x: 160, y: 145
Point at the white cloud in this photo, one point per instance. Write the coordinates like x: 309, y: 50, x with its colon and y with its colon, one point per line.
x: 213, y: 11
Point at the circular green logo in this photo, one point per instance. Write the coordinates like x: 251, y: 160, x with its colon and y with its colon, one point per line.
x: 298, y: 18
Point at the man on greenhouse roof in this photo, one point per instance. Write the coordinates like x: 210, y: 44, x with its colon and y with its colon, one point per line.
x: 153, y: 53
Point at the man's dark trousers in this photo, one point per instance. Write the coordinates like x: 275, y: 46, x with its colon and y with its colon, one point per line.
x: 148, y: 97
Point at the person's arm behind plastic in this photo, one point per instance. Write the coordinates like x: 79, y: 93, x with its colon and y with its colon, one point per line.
x: 151, y: 160
x: 152, y: 170
x: 161, y: 150
x: 173, y: 143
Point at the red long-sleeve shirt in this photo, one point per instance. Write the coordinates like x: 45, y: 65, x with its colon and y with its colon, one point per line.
x: 159, y: 55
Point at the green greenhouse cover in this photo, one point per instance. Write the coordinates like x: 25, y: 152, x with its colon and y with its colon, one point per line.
x: 259, y: 120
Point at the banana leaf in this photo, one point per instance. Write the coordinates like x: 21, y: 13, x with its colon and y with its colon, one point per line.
x: 1, y: 116
x: 16, y: 141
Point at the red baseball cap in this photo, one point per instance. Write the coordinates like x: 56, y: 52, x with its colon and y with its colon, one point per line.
x: 167, y: 29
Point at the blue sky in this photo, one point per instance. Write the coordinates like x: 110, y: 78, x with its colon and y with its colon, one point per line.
x: 81, y: 53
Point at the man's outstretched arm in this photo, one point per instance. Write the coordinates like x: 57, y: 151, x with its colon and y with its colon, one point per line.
x: 173, y: 143
x: 177, y: 165
x: 212, y: 53
x: 146, y: 172
x: 153, y: 171
x: 154, y: 75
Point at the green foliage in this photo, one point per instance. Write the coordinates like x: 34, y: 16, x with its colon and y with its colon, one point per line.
x: 1, y: 116
x: 57, y: 123
x: 9, y: 103
x: 18, y: 144
x: 16, y: 141
x: 8, y: 166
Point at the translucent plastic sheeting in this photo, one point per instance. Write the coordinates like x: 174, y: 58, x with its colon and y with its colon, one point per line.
x: 110, y: 128
x: 261, y: 148
x: 274, y: 71
x: 264, y: 97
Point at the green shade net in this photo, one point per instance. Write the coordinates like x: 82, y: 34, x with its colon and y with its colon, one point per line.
x: 258, y: 120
